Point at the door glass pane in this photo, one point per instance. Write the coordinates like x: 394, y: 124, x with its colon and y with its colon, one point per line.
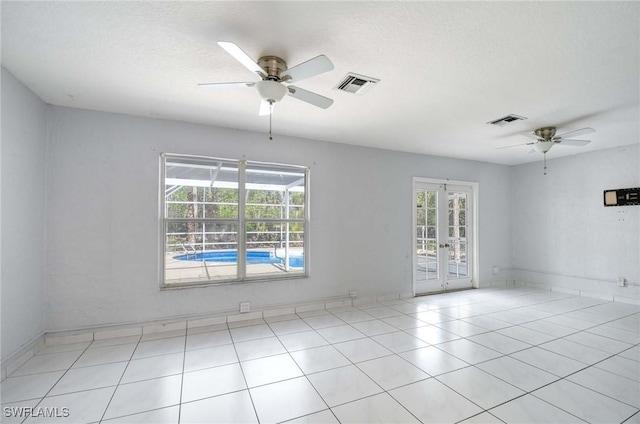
x: 426, y: 235
x: 432, y: 199
x: 432, y: 259
x: 421, y: 260
x: 421, y: 215
x: 457, y: 259
x: 432, y: 234
x: 421, y: 235
x: 421, y: 199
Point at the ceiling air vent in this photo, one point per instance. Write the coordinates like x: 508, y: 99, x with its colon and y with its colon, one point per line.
x: 501, y: 122
x: 357, y: 84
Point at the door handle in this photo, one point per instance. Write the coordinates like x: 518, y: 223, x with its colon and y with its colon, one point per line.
x: 444, y: 245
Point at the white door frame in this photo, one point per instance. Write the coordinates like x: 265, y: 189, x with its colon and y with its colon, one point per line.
x: 474, y: 228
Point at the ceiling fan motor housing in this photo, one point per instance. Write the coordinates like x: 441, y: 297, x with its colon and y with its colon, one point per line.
x: 546, y: 133
x: 274, y: 66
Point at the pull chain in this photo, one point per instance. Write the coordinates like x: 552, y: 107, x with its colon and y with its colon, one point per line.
x: 270, y: 114
x: 545, y: 163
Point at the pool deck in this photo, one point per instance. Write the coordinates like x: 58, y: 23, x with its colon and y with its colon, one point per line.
x: 180, y: 271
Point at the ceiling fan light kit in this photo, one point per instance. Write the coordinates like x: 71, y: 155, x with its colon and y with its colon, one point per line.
x: 543, y: 146
x: 271, y: 91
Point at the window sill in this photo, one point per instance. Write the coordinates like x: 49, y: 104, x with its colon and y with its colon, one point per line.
x: 209, y: 283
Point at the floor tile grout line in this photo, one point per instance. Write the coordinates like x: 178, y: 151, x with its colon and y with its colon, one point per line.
x: 376, y: 394
x: 600, y: 393
x: 135, y: 413
x: 531, y: 392
x: 525, y: 391
x: 511, y: 353
x: 435, y: 324
x: 351, y: 364
x: 555, y: 406
x: 610, y: 338
x: 184, y: 360
x: 629, y: 348
x: 480, y: 413
x: 255, y: 411
x: 587, y: 363
x: 307, y: 378
x: 549, y: 403
x: 593, y: 389
x: 628, y: 419
x: 475, y: 403
x: 119, y: 381
x: 382, y: 388
x: 54, y: 384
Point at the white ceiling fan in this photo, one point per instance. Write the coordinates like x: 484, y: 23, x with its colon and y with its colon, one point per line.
x: 545, y: 138
x: 275, y: 78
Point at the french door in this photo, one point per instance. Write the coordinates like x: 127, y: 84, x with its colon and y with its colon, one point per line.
x: 443, y: 236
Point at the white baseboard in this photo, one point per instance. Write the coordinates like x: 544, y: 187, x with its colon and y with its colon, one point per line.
x: 22, y: 355
x: 18, y: 358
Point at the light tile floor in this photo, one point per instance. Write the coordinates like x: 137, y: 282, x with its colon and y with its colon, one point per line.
x: 478, y: 356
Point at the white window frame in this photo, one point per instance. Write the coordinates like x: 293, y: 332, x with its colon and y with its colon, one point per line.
x: 241, y: 222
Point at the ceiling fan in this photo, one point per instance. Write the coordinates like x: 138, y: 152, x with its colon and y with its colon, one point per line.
x: 275, y: 78
x: 545, y: 138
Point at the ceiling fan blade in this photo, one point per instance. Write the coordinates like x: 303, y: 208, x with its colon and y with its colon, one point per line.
x: 531, y: 136
x: 310, y: 68
x: 265, y: 108
x: 217, y: 85
x: 576, y: 133
x: 310, y: 97
x: 515, y: 145
x: 577, y: 143
x: 242, y: 57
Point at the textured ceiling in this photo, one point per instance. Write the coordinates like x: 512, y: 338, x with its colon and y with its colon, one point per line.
x: 446, y: 68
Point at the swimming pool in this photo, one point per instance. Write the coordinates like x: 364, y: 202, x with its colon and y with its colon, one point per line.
x: 231, y: 256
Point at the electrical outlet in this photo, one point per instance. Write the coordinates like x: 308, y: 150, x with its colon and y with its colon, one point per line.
x: 353, y: 293
x: 620, y: 281
x: 496, y: 270
x: 245, y: 307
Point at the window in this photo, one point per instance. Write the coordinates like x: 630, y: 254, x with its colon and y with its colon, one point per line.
x: 231, y: 221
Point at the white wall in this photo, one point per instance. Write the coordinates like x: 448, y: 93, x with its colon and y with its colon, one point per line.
x: 23, y: 212
x: 102, y: 217
x: 563, y: 236
x: 96, y: 194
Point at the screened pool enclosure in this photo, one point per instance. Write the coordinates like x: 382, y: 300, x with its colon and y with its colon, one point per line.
x: 230, y: 221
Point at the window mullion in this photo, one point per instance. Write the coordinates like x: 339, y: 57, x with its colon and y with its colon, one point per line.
x: 242, y: 226
x: 307, y: 216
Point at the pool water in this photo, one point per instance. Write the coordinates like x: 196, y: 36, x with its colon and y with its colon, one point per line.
x: 231, y: 256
